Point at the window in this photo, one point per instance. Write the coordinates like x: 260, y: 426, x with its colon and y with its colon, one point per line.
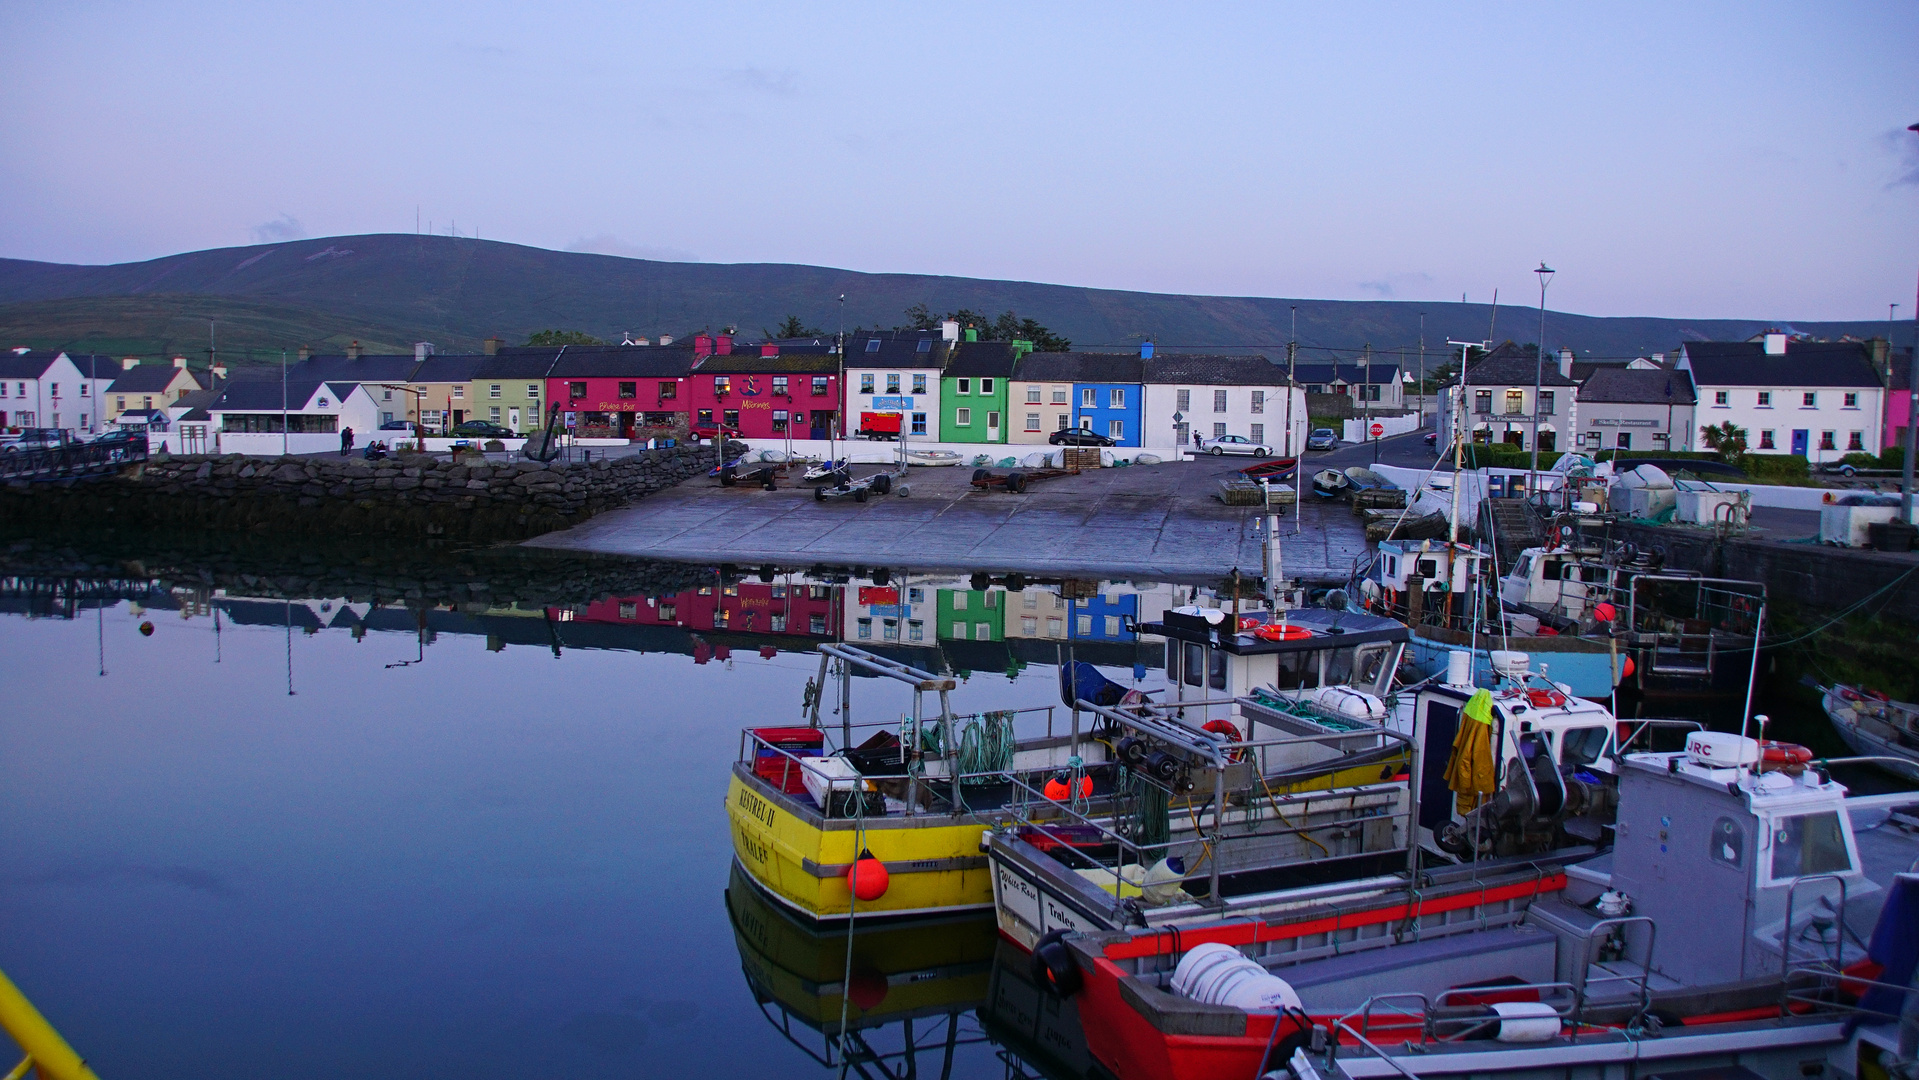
x: 1808, y: 844
x: 1029, y: 599
x: 533, y: 390
x: 890, y: 630
x: 1219, y: 401
x: 916, y: 595
x: 779, y: 386
x: 1064, y: 423
x: 1809, y: 399
x: 893, y: 382
x: 1112, y: 626
x: 1029, y: 625
x: 866, y: 382
x: 873, y: 345
x: 816, y: 624
x: 1625, y: 440
x: 925, y: 345
x: 1852, y: 401
x: 1765, y: 440
x: 819, y: 386
x: 1856, y: 441
x: 1219, y: 431
x: 1826, y: 441
x: 982, y: 631
x: 915, y: 630
x: 965, y: 386
x: 1116, y: 398
x: 1116, y: 430
x: 1083, y: 625
x: 1088, y: 398
x: 1059, y: 395
x: 575, y: 390
x: 1055, y: 627
x: 986, y: 386
x: 1259, y: 401
x: 83, y: 393
x: 706, y: 418
x: 1032, y: 421
x: 963, y: 417
x: 959, y: 601
x: 459, y: 393
x: 1032, y: 395
x: 119, y: 402
x: 1546, y: 399
x: 722, y: 385
x: 669, y: 389
x: 779, y: 419
x: 1765, y: 398
x: 1257, y: 433
x: 1483, y: 402
x: 919, y: 384
x: 1515, y: 402
x: 493, y: 391
x: 627, y: 390
x: 732, y: 417
x: 56, y: 393
x: 1182, y: 401
x: 919, y: 423
x: 866, y: 624
x: 1721, y: 398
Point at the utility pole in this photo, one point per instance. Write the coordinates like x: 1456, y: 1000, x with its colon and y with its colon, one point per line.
x: 1460, y: 434
x: 1422, y: 367
x: 1299, y: 457
x: 1539, y: 376
x: 283, y: 403
x: 1912, y: 409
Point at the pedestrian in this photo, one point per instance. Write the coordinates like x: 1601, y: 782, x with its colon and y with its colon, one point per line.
x: 346, y: 442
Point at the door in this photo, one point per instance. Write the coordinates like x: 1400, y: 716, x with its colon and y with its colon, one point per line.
x: 459, y: 417
x: 992, y: 427
x: 1435, y: 748
x: 513, y: 419
x: 1799, y: 441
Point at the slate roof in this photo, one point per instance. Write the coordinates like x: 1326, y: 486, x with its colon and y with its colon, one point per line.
x: 147, y: 379
x: 1199, y: 369
x: 1327, y: 373
x: 196, y: 402
x: 447, y: 369
x: 367, y: 369
x: 263, y: 395
x: 750, y: 363
x: 896, y: 349
x: 516, y: 364
x: 623, y: 361
x: 981, y: 359
x: 1078, y: 367
x: 1617, y: 385
x: 28, y: 365
x: 1513, y: 365
x: 1804, y: 363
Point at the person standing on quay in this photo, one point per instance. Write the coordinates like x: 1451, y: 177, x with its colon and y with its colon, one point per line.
x: 346, y: 442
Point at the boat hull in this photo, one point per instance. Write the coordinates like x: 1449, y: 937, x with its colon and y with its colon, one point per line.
x: 800, y: 858
x: 1868, y: 736
x: 1592, y: 671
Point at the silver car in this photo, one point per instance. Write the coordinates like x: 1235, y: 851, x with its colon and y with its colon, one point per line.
x: 1232, y: 444
x: 1322, y: 439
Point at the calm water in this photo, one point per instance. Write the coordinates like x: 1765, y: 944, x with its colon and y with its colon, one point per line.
x: 492, y: 861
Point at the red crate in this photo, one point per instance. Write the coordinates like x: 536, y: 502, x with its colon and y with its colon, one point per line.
x: 781, y: 771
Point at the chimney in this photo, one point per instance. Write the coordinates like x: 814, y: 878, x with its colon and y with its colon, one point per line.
x: 972, y: 334
x: 949, y: 330
x: 491, y: 346
x: 1659, y: 358
x: 305, y: 352
x: 723, y: 345
x: 422, y: 350
x: 128, y: 363
x: 1881, y: 350
x: 1565, y: 362
x: 218, y: 370
x: 1775, y: 344
x: 180, y: 361
x: 666, y: 339
x: 353, y: 351
x: 702, y: 344
x: 769, y: 349
x: 1145, y: 350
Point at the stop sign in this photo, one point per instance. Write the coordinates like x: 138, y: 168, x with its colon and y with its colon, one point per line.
x: 1378, y: 429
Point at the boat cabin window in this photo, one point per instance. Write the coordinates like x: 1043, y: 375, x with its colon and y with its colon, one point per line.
x: 1428, y: 568
x: 1582, y: 746
x: 1524, y: 568
x: 1195, y: 663
x: 1808, y: 844
x: 1392, y: 566
x: 1728, y: 843
x: 1216, y: 669
x: 1298, y: 670
x: 1359, y: 666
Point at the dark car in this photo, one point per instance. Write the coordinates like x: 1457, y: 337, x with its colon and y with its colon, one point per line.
x: 36, y: 439
x: 397, y: 425
x: 482, y: 429
x: 1079, y: 437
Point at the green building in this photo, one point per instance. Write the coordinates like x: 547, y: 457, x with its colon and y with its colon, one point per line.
x: 970, y: 615
x: 973, y: 390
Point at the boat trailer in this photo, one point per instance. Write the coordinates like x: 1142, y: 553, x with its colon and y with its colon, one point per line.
x: 1017, y: 480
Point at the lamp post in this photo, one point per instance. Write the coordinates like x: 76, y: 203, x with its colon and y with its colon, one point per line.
x: 1912, y: 411
x: 1539, y: 375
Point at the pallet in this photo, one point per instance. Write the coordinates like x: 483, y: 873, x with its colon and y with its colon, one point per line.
x: 1079, y: 457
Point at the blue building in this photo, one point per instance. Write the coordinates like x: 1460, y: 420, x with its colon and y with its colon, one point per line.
x: 1105, y: 616
x: 1103, y: 392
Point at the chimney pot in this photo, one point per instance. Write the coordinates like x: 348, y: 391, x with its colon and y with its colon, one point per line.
x: 1775, y: 344
x: 666, y: 339
x: 219, y: 370
x: 949, y: 330
x: 180, y: 361
x: 353, y: 351
x: 129, y: 363
x: 305, y: 352
x: 491, y: 346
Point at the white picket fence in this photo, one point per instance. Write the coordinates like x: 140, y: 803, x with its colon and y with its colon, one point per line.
x: 1360, y: 430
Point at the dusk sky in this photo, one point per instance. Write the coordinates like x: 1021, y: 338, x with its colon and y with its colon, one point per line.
x: 1705, y: 160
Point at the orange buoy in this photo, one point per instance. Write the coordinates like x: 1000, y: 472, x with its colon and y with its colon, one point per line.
x: 1058, y: 789
x: 1626, y: 668
x: 867, y: 877
x: 867, y: 989
x: 146, y: 629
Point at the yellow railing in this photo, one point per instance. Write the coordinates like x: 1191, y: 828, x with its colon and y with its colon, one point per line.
x: 46, y: 1050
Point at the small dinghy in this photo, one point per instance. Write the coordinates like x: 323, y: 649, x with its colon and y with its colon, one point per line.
x: 1364, y: 479
x: 824, y: 471
x: 1330, y: 483
x: 932, y: 457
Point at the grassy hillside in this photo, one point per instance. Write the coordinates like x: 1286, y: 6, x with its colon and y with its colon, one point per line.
x: 395, y: 289
x: 168, y: 325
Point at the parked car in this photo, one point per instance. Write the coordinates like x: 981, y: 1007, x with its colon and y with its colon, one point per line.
x: 1322, y: 439
x: 1232, y: 444
x: 1079, y: 437
x: 397, y: 425
x: 482, y: 429
x: 1432, y: 440
x: 35, y: 439
x: 708, y: 431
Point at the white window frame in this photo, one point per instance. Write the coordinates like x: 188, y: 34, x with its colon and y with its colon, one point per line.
x: 1116, y: 397
x: 963, y: 417
x: 1088, y: 398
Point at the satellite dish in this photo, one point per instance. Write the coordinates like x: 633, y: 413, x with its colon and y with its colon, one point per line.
x: 1336, y: 600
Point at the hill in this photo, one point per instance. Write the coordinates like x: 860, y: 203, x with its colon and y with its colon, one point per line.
x: 387, y: 290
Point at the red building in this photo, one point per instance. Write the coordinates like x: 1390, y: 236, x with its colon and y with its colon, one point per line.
x: 753, y: 608
x: 621, y: 391
x: 773, y: 395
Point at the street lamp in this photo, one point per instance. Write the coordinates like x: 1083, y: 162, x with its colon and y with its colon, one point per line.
x: 1912, y: 411
x: 1539, y: 375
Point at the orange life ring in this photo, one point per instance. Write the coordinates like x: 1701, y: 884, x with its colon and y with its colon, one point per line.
x: 1545, y: 699
x: 1248, y: 622
x: 1226, y: 728
x: 1278, y: 632
x: 1781, y: 755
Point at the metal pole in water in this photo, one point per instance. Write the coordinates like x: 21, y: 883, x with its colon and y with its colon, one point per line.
x: 1752, y: 673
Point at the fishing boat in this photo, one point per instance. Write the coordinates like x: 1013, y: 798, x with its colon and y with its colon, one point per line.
x: 932, y: 457
x: 1751, y: 919
x: 1330, y: 483
x: 1874, y: 725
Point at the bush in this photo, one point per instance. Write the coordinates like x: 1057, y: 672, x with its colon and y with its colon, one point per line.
x: 1506, y: 456
x: 1860, y: 461
x: 1892, y: 457
x: 1777, y: 466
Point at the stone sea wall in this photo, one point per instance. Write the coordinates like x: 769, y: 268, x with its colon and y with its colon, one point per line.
x: 467, y: 497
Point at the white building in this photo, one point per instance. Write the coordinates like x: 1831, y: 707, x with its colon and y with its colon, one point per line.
x: 252, y: 417
x: 1822, y: 400
x: 44, y: 389
x: 1221, y: 395
x: 897, y: 372
x: 1501, y: 406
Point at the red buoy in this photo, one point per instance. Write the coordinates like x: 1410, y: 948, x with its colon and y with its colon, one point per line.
x: 867, y: 877
x: 146, y: 629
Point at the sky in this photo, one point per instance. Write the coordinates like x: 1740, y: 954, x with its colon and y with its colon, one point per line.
x: 1722, y: 160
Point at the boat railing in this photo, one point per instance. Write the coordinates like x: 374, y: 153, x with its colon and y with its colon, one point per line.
x: 1459, y: 1024
x: 1644, y: 727
x: 1597, y: 936
x: 1786, y: 936
x: 1819, y: 986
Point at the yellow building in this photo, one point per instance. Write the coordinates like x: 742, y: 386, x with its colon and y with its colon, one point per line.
x: 149, y: 386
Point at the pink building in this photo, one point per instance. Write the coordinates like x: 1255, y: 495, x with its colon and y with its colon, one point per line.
x: 766, y: 394
x: 620, y: 391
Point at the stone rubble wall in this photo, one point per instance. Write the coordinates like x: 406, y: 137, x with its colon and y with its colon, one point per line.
x: 462, y: 498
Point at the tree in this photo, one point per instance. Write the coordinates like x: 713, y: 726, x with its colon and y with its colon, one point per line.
x: 1008, y: 327
x: 1727, y: 439
x: 562, y: 337
x: 793, y: 327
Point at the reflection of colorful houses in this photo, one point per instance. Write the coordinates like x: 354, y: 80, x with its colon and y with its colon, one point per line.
x: 757, y: 608
x: 764, y: 396
x: 892, y: 613
x: 1105, y: 616
x: 971, y: 615
x: 1034, y: 613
